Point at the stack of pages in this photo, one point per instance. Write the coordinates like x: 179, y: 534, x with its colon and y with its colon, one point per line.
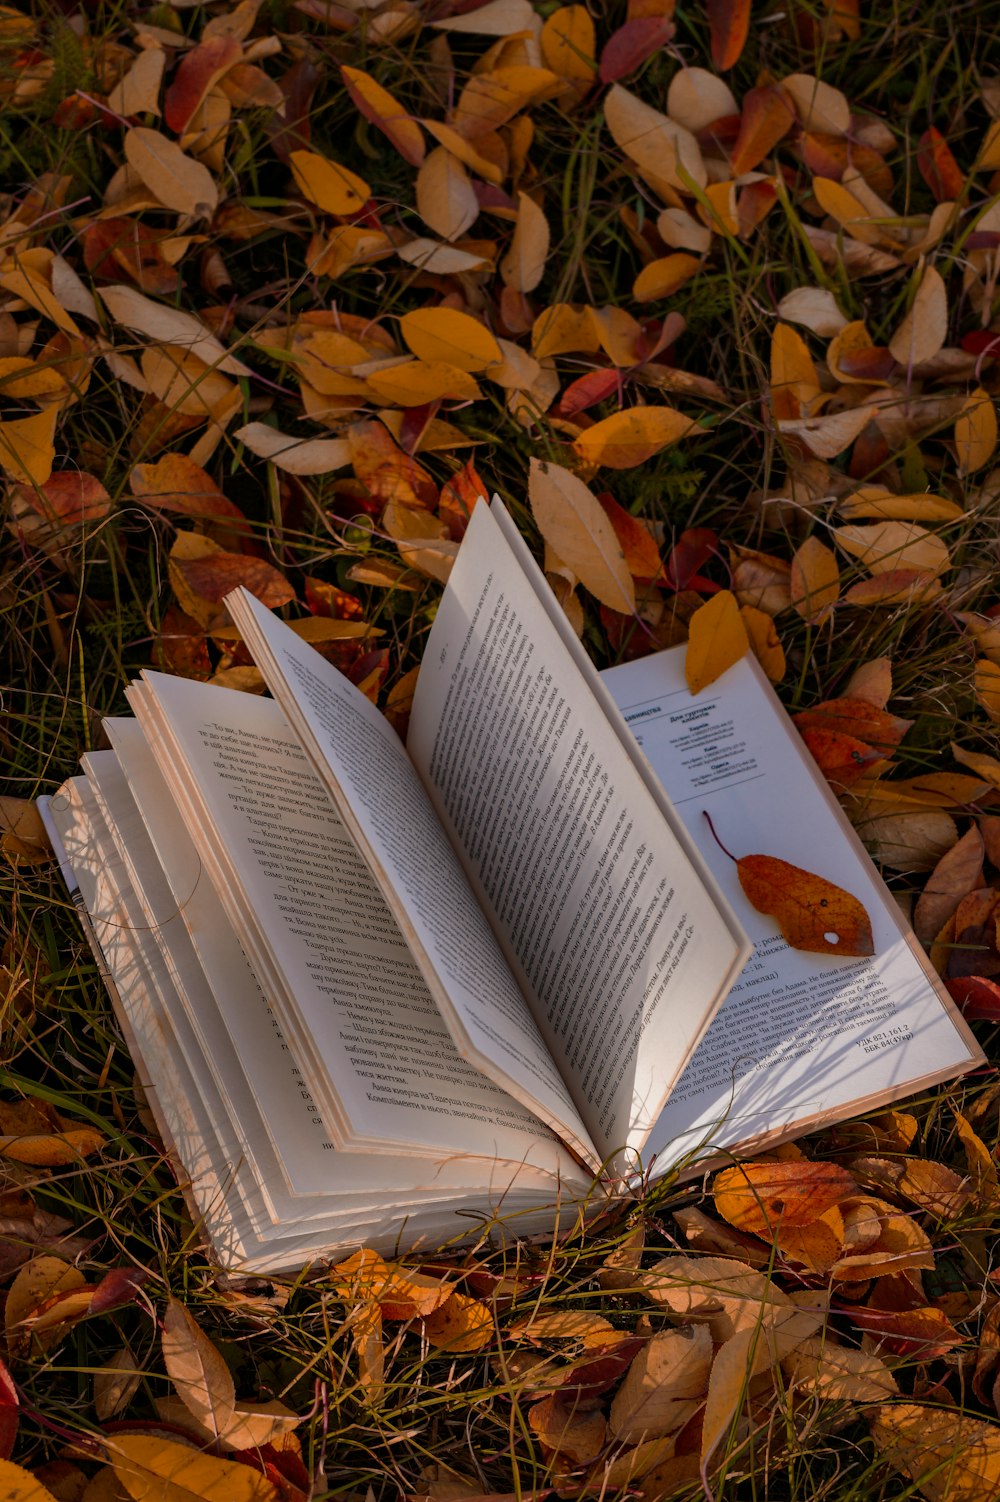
x: 393, y: 996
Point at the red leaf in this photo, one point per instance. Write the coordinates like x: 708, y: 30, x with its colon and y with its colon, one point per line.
x: 181, y: 646
x: 874, y: 363
x: 691, y: 551
x: 729, y: 21
x: 629, y: 47
x: 327, y: 600
x: 111, y: 246
x: 213, y: 576
x: 642, y: 556
x: 197, y: 72
x: 292, y: 131
x: 979, y: 998
x: 938, y: 167
x: 768, y: 115
x: 916, y: 1333
x: 841, y: 758
x: 458, y: 500
x: 69, y: 496
x: 117, y: 1287
x: 587, y: 391
x: 982, y: 342
x: 8, y: 1413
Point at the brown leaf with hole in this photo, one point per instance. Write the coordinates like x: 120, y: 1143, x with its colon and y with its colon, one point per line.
x: 812, y: 913
x: 760, y: 1197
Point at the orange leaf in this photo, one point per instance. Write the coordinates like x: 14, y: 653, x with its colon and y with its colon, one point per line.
x: 445, y: 335
x: 626, y: 439
x: 717, y: 639
x: 729, y: 22
x: 662, y: 278
x: 760, y: 1197
x: 568, y: 43
x: 460, y: 1324
x: 938, y: 167
x: 176, y: 483
x: 975, y: 432
x: 385, y: 113
x: 642, y: 556
x: 768, y: 115
x: 794, y: 382
x: 842, y: 759
x: 27, y: 446
x: 214, y: 574
x: 812, y: 913
x: 332, y: 188
x: 855, y: 717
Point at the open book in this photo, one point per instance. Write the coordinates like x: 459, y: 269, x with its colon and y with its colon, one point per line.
x: 391, y: 995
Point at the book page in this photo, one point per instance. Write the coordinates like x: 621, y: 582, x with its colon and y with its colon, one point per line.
x: 618, y: 940
x: 800, y: 1034
x: 393, y: 823
x: 377, y: 1058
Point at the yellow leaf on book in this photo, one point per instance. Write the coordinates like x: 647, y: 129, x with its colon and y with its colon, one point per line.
x: 717, y: 638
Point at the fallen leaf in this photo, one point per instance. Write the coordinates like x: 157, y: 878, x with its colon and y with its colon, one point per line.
x: 445, y: 335
x: 828, y: 435
x: 938, y: 167
x: 729, y: 24
x: 197, y: 1369
x: 985, y: 632
x: 446, y: 199
x: 178, y: 181
x: 573, y: 524
x: 628, y: 438
x: 815, y: 308
x: 27, y: 446
x: 662, y: 1386
x: 152, y: 1469
x: 951, y: 1458
x: 925, y: 328
x: 568, y: 42
x: 169, y: 326
x: 697, y: 98
x: 461, y: 1323
x: 766, y: 119
x: 385, y: 113
x: 738, y: 1359
x: 838, y: 1373
x: 812, y: 913
x: 297, y: 456
x: 986, y: 677
x: 819, y: 106
x: 568, y: 1429
x: 495, y: 18
x: 764, y: 642
x: 631, y: 45
x: 524, y: 264
x: 662, y: 278
x: 975, y: 432
x: 958, y: 872
x: 815, y: 581
x: 19, y: 1485
x: 717, y: 638
x: 894, y: 546
x: 661, y: 149
x: 331, y: 187
x: 761, y: 1197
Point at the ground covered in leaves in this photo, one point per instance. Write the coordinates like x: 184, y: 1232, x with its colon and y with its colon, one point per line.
x: 709, y: 296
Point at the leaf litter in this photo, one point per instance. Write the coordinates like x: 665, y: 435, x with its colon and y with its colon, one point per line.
x: 291, y: 296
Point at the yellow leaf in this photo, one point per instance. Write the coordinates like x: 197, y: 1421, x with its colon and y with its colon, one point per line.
x: 951, y: 1458
x: 617, y: 333
x: 574, y: 525
x: 37, y: 1281
x: 419, y: 381
x: 490, y: 99
x: 662, y: 1385
x: 924, y: 330
x: 160, y: 1470
x: 717, y: 639
x: 524, y: 264
x: 764, y: 642
x: 385, y: 112
x: 794, y: 383
x: 28, y: 274
x: 629, y: 438
x: 975, y: 432
x: 467, y: 152
x: 815, y: 581
x: 27, y: 380
x: 332, y: 188
x: 460, y: 1324
x: 987, y: 680
x: 568, y: 43
x: 445, y: 335
x: 738, y: 1359
x: 841, y: 204
x: 446, y: 200
x: 27, y: 446
x: 887, y: 547
x: 662, y: 278
x: 852, y: 339
x: 18, y: 1485
x: 178, y: 181
x: 874, y: 500
x: 53, y: 1149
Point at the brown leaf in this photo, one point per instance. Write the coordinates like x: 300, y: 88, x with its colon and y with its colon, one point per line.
x: 461, y: 1323
x: 572, y: 522
x: 446, y: 199
x: 958, y: 872
x: 838, y: 1373
x: 925, y: 328
x: 178, y: 181
x: 663, y: 1385
x: 975, y: 432
x: 568, y: 1429
x: 198, y: 1370
x: 37, y: 1282
x: 524, y: 264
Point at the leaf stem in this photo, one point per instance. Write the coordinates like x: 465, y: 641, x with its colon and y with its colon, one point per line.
x: 706, y: 815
